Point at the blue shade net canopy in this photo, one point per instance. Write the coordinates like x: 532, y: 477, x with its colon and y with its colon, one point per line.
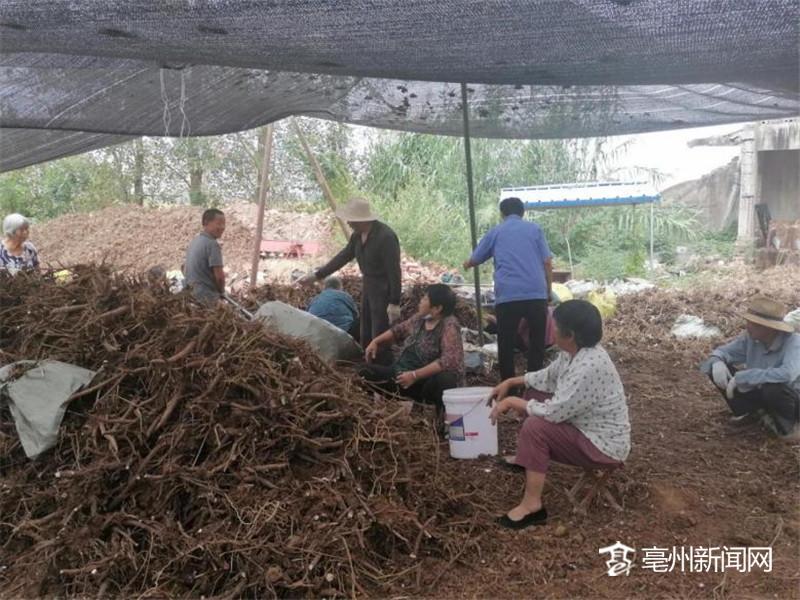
x: 82, y: 74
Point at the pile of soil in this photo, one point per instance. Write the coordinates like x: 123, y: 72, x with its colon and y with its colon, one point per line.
x: 133, y: 238
x: 282, y: 224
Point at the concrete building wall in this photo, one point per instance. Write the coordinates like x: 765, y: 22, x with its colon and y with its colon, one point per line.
x: 779, y: 177
x: 714, y: 196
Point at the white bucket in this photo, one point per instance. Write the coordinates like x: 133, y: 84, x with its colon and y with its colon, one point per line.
x: 466, y: 414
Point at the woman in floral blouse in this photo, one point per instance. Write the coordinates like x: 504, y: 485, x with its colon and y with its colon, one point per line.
x: 584, y: 422
x: 432, y: 356
x: 16, y: 252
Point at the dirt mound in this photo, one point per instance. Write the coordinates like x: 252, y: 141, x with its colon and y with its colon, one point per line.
x: 217, y: 459
x: 283, y: 224
x: 135, y: 238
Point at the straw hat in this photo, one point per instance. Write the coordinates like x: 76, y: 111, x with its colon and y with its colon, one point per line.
x: 356, y: 210
x: 769, y: 313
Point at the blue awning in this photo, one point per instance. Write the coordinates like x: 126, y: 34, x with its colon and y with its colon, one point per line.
x: 571, y: 195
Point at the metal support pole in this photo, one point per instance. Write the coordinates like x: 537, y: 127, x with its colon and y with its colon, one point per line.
x: 471, y: 199
x: 263, y: 187
x: 652, y: 234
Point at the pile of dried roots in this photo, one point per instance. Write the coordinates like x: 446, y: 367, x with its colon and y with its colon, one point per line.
x: 211, y: 457
x: 300, y: 297
x: 295, y: 295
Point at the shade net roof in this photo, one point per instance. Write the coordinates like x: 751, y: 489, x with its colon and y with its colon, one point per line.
x: 81, y: 74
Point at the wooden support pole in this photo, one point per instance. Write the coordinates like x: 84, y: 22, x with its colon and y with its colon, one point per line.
x: 323, y: 182
x: 263, y: 188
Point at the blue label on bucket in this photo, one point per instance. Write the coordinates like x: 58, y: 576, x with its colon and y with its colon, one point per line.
x: 457, y: 433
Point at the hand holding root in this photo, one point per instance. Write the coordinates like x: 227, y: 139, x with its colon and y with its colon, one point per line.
x: 497, y: 410
x: 499, y: 392
x: 393, y: 312
x: 371, y: 352
x: 406, y: 379
x: 508, y: 403
x: 720, y: 374
x: 307, y: 280
x: 730, y: 390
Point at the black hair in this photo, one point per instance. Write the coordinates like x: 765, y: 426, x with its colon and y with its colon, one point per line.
x: 580, y: 319
x: 440, y: 294
x: 512, y: 206
x: 333, y: 283
x: 211, y: 214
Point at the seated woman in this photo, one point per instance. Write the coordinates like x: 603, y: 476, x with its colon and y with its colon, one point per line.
x: 432, y: 358
x: 584, y: 423
x: 16, y: 252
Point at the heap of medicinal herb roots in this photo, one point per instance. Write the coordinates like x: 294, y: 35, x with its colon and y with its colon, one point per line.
x: 300, y: 297
x: 211, y: 457
x: 296, y: 295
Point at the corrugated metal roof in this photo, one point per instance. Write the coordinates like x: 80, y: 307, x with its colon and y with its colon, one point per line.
x: 569, y: 195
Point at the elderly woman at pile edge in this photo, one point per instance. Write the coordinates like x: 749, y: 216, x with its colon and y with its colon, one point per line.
x: 432, y: 356
x: 16, y: 252
x: 583, y: 423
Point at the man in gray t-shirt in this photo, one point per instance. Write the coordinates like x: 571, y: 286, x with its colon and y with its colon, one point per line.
x: 204, y: 274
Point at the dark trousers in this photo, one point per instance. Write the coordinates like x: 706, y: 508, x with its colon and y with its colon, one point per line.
x: 779, y: 400
x: 427, y: 391
x: 509, y: 315
x: 374, y: 320
x: 355, y: 330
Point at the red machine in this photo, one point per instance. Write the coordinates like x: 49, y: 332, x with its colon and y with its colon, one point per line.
x: 290, y: 248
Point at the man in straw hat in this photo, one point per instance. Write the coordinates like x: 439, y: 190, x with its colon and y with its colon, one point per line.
x: 376, y: 248
x: 759, y: 371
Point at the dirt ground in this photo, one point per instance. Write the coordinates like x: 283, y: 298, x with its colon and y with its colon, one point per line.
x: 692, y: 479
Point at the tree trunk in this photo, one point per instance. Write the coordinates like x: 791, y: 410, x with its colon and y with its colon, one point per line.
x: 122, y: 182
x: 138, y: 172
x: 265, y: 145
x: 196, y: 196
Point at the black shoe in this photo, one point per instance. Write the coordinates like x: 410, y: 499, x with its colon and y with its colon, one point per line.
x: 535, y: 518
x: 504, y: 463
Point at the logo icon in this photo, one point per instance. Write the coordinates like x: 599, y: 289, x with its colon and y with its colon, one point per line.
x: 618, y: 563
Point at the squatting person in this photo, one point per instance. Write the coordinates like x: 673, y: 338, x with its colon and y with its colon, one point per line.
x: 336, y: 306
x: 758, y: 373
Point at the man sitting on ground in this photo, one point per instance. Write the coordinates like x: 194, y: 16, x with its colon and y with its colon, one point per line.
x: 758, y: 373
x: 336, y: 306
